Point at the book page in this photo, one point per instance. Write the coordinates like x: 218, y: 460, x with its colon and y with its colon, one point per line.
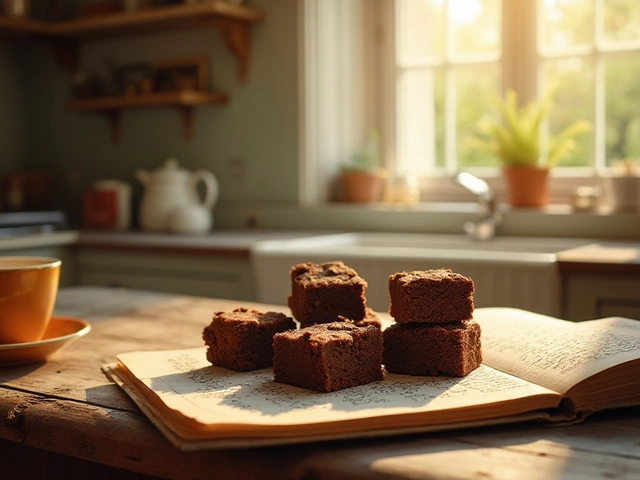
x: 216, y: 401
x: 619, y: 322
x: 554, y: 353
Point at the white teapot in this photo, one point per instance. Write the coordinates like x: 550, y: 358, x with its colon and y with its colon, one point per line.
x: 171, y: 200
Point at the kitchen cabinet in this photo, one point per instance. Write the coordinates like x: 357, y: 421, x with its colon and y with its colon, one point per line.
x: 232, y: 20
x: 589, y: 296
x: 56, y: 244
x: 601, y: 279
x: 208, y: 275
x: 67, y: 271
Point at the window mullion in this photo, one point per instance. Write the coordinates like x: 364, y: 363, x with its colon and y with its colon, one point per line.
x: 599, y: 114
x: 450, y: 151
x: 450, y: 118
x: 599, y: 108
x: 519, y: 48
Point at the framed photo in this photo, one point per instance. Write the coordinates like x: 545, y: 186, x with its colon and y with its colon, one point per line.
x: 181, y: 74
x: 134, y: 78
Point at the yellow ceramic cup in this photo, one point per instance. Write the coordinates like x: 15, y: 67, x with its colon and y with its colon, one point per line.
x: 28, y: 290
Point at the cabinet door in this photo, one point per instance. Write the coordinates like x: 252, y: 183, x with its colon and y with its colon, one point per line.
x: 597, y: 296
x: 201, y: 275
x: 619, y: 308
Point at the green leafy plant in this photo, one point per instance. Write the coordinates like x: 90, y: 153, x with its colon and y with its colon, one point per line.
x: 366, y: 159
x: 515, y: 136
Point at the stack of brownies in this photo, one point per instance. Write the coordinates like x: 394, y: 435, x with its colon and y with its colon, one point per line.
x: 434, y: 332
x: 339, y: 343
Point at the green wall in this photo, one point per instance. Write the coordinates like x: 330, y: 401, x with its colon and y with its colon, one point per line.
x: 13, y: 114
x: 259, y: 125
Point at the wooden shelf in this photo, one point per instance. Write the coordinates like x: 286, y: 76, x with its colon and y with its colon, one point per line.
x: 18, y: 28
x: 184, y: 101
x: 232, y: 20
x: 196, y: 15
x: 181, y: 98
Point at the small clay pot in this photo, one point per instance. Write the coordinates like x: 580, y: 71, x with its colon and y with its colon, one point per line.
x: 362, y: 187
x: 527, y: 186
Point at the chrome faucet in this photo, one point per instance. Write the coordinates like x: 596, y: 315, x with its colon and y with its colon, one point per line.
x: 484, y: 228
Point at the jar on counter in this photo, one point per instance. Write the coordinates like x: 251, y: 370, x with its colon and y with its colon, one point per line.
x: 402, y: 190
x: 107, y: 204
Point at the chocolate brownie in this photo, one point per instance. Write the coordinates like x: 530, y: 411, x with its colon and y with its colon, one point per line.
x: 328, y: 357
x: 431, y: 296
x: 242, y: 339
x: 370, y: 318
x: 451, y: 349
x: 322, y: 292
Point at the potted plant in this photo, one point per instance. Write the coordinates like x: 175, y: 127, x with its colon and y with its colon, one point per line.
x: 526, y: 154
x: 362, y: 178
x: 624, y: 185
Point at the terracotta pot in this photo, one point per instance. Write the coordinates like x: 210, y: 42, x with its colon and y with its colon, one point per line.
x: 527, y: 186
x: 362, y: 187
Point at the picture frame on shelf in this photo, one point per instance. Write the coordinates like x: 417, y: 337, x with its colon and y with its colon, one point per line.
x: 181, y: 74
x: 135, y: 78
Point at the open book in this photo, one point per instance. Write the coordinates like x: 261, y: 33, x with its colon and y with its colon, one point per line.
x: 535, y: 367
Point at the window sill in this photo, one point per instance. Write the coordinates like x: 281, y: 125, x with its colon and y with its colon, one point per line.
x: 440, y: 217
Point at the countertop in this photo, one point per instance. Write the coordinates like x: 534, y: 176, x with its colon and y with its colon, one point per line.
x: 64, y: 419
x: 604, y: 256
x: 601, y: 257
x: 598, y: 256
x: 53, y: 239
x: 222, y: 242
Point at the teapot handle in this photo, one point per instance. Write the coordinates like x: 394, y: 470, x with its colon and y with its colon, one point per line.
x: 211, y: 183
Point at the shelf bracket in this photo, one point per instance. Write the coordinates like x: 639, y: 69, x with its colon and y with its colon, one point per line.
x: 186, y: 113
x: 236, y: 35
x: 114, y: 125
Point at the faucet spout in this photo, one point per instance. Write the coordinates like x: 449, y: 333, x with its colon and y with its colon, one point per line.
x: 484, y: 228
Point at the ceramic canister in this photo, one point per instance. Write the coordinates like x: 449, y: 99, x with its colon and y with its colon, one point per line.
x: 122, y: 194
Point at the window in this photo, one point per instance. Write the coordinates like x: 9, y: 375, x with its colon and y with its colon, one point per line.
x: 591, y: 49
x: 447, y: 68
x: 432, y: 66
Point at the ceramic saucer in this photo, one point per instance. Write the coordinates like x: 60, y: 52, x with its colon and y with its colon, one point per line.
x: 60, y: 332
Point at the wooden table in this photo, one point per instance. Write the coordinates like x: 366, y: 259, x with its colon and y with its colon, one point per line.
x: 64, y: 419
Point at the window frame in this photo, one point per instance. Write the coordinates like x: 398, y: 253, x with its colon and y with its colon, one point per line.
x: 336, y: 107
x: 523, y: 74
x: 329, y: 137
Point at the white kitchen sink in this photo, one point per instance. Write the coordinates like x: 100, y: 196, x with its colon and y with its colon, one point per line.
x: 417, y: 244
x: 515, y: 272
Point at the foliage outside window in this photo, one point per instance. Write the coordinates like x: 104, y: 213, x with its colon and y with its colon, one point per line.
x: 450, y: 63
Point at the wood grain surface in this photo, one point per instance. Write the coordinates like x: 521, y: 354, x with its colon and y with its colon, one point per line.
x: 63, y: 418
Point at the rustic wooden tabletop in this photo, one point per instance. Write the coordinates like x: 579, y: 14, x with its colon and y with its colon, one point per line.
x: 64, y: 419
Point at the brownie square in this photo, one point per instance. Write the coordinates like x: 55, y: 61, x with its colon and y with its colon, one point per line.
x: 370, y: 318
x: 322, y: 292
x: 242, y: 339
x: 450, y: 349
x: 430, y: 296
x: 328, y: 357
